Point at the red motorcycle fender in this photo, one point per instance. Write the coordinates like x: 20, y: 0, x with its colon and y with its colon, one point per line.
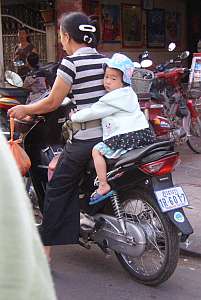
x: 192, y: 109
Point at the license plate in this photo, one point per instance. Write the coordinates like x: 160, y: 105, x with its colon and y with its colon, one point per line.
x: 172, y: 198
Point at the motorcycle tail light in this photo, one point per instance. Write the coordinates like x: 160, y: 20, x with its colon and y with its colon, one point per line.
x: 162, y: 166
x: 163, y: 122
x: 161, y: 125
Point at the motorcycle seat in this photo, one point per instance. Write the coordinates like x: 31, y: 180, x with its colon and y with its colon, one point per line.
x: 138, y: 154
x: 14, y: 92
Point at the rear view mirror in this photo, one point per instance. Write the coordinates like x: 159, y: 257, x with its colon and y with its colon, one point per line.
x: 184, y: 55
x: 171, y: 47
x: 13, y: 79
x: 145, y: 59
x: 146, y: 63
x: 136, y: 64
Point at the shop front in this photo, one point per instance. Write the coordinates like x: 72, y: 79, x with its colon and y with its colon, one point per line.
x: 127, y: 26
x: 132, y: 26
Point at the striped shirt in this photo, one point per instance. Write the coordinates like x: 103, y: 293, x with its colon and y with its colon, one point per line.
x: 84, y: 72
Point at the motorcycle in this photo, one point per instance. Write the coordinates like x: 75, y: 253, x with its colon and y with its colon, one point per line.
x: 141, y: 82
x: 142, y: 221
x: 14, y: 93
x: 179, y: 108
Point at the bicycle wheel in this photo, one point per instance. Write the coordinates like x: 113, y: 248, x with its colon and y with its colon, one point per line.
x: 194, y: 139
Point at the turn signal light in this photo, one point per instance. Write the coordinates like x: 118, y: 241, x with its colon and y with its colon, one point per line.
x: 162, y: 166
x: 157, y: 121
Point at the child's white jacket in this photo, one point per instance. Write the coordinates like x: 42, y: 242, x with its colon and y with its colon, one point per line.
x: 119, y: 110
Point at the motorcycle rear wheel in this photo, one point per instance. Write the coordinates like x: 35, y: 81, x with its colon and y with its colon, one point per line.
x: 161, y: 254
x: 194, y: 140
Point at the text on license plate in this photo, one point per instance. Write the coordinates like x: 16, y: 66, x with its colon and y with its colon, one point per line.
x: 172, y: 198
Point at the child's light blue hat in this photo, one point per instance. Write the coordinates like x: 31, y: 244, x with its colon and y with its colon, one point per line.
x: 123, y: 63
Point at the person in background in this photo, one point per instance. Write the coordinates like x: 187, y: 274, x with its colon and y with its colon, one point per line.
x: 22, y: 50
x: 35, y: 81
x: 124, y: 125
x: 81, y: 73
x: 24, y: 269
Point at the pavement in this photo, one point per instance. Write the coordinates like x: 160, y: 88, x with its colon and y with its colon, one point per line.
x: 188, y: 175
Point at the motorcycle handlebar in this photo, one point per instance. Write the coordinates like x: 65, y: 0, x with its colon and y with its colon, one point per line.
x: 177, y: 60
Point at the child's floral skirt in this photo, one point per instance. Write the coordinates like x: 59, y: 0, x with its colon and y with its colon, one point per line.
x: 117, y: 145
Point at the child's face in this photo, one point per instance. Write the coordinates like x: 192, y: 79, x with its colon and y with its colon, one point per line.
x: 112, y: 79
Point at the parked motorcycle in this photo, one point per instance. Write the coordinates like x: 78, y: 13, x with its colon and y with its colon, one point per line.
x: 181, y: 110
x: 48, y: 69
x: 142, y: 222
x: 141, y: 82
x: 14, y: 93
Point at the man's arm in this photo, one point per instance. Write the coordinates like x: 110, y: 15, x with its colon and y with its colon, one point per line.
x: 59, y: 90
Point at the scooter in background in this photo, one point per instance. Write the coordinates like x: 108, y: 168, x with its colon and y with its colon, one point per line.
x: 180, y: 109
x: 14, y: 94
x: 142, y: 80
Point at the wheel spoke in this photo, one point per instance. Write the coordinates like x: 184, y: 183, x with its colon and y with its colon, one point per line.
x: 160, y: 254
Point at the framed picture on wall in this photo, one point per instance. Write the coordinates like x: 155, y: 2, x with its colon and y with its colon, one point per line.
x: 148, y: 4
x: 173, y: 27
x: 132, y: 33
x: 91, y: 7
x: 156, y: 28
x: 110, y: 23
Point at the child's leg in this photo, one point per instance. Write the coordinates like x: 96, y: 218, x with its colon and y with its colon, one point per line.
x: 101, y: 170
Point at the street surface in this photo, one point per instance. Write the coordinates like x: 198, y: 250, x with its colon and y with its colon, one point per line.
x: 81, y: 274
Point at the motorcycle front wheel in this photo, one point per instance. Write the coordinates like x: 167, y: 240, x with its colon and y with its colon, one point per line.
x: 161, y: 254
x: 194, y: 139
x: 34, y: 201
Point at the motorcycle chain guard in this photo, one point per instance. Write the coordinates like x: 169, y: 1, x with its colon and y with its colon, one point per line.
x: 110, y: 235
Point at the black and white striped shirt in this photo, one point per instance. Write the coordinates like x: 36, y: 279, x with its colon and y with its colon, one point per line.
x: 84, y: 72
